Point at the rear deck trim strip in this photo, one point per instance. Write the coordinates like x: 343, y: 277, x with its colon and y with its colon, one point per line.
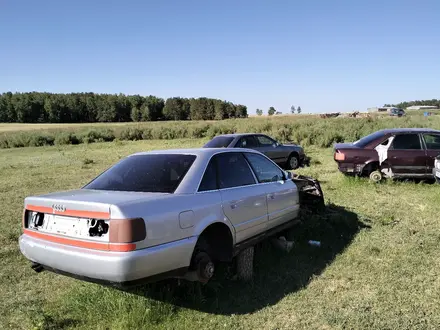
x: 125, y: 247
x: 70, y: 213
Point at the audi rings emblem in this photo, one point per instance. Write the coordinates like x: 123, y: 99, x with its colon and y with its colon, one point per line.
x: 58, y: 208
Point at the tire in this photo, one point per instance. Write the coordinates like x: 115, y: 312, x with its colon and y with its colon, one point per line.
x: 245, y: 264
x: 376, y: 176
x: 292, y: 162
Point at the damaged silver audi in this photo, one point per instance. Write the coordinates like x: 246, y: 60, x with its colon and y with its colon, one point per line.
x: 163, y: 214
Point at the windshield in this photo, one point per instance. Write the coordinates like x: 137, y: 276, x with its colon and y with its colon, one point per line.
x: 368, y: 139
x: 219, y: 142
x: 145, y: 173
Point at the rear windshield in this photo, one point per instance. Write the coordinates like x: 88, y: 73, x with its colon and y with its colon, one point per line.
x: 219, y: 142
x: 366, y: 140
x: 145, y: 173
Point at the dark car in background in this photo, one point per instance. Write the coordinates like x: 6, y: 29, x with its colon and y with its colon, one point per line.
x: 392, y: 153
x: 288, y: 156
x: 397, y: 112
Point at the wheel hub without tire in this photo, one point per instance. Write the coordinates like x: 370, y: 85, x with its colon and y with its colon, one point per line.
x: 208, y: 270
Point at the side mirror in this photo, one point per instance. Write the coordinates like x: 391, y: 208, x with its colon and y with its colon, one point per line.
x: 288, y: 175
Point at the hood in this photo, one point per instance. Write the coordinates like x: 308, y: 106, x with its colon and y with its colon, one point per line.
x: 291, y: 145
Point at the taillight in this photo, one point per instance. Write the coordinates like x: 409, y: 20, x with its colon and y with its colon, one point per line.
x: 127, y: 230
x: 339, y: 155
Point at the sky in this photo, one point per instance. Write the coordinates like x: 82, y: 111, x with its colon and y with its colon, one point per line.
x: 322, y: 55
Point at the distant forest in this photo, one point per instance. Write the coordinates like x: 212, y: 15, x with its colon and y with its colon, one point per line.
x: 404, y: 105
x: 36, y: 107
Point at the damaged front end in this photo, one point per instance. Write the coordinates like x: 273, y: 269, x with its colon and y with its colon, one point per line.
x: 311, y: 196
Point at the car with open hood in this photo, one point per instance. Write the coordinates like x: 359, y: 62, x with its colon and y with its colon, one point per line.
x: 391, y: 153
x: 162, y: 214
x: 289, y: 156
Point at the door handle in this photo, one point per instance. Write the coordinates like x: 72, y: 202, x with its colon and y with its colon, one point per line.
x: 271, y: 196
x: 233, y: 205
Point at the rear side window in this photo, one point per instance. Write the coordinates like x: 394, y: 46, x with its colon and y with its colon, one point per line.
x: 233, y: 170
x: 366, y: 140
x: 145, y: 173
x: 264, y: 169
x: 219, y: 142
x: 432, y: 141
x: 407, y: 141
x: 209, y: 180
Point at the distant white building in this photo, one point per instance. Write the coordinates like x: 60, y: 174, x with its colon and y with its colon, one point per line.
x: 422, y: 107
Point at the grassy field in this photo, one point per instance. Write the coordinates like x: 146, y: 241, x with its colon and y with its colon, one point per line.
x: 308, y: 130
x: 378, y: 266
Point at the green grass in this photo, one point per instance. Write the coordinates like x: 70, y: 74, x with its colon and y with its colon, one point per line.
x: 378, y: 266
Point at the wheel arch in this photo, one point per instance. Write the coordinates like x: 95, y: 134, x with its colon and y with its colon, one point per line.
x: 220, y: 238
x: 370, y: 166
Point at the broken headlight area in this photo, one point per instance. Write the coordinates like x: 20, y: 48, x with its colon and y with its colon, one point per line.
x: 311, y: 196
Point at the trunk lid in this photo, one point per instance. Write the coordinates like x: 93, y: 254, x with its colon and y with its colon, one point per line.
x: 85, y: 201
x: 340, y: 146
x: 83, y: 214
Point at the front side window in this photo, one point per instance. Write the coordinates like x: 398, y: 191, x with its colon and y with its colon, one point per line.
x: 432, y: 141
x: 233, y: 170
x: 247, y: 142
x: 160, y: 173
x: 264, y: 169
x: 407, y: 141
x: 265, y: 141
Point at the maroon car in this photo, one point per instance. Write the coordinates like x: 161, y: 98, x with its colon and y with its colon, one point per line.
x: 392, y: 153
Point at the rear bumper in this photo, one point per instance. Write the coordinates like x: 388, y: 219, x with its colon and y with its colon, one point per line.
x: 350, y: 168
x: 123, y: 268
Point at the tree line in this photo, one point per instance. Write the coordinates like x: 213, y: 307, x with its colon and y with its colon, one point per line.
x: 36, y: 107
x: 272, y: 111
x: 406, y: 104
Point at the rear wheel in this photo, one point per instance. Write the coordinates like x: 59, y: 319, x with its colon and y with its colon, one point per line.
x: 292, y: 162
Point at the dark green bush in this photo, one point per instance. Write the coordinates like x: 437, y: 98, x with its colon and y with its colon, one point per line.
x: 66, y: 138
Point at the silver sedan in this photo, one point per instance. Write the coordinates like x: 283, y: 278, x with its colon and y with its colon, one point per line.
x: 288, y: 156
x: 160, y: 214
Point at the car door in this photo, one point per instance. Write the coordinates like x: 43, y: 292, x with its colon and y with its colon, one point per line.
x: 270, y: 148
x: 406, y: 156
x: 432, y: 145
x: 282, y: 195
x: 243, y: 200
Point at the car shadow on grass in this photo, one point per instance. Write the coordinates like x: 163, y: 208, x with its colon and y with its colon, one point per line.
x: 276, y: 273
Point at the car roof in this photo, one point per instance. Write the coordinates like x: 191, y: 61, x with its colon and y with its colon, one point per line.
x: 238, y: 134
x: 408, y: 130
x: 193, y: 151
